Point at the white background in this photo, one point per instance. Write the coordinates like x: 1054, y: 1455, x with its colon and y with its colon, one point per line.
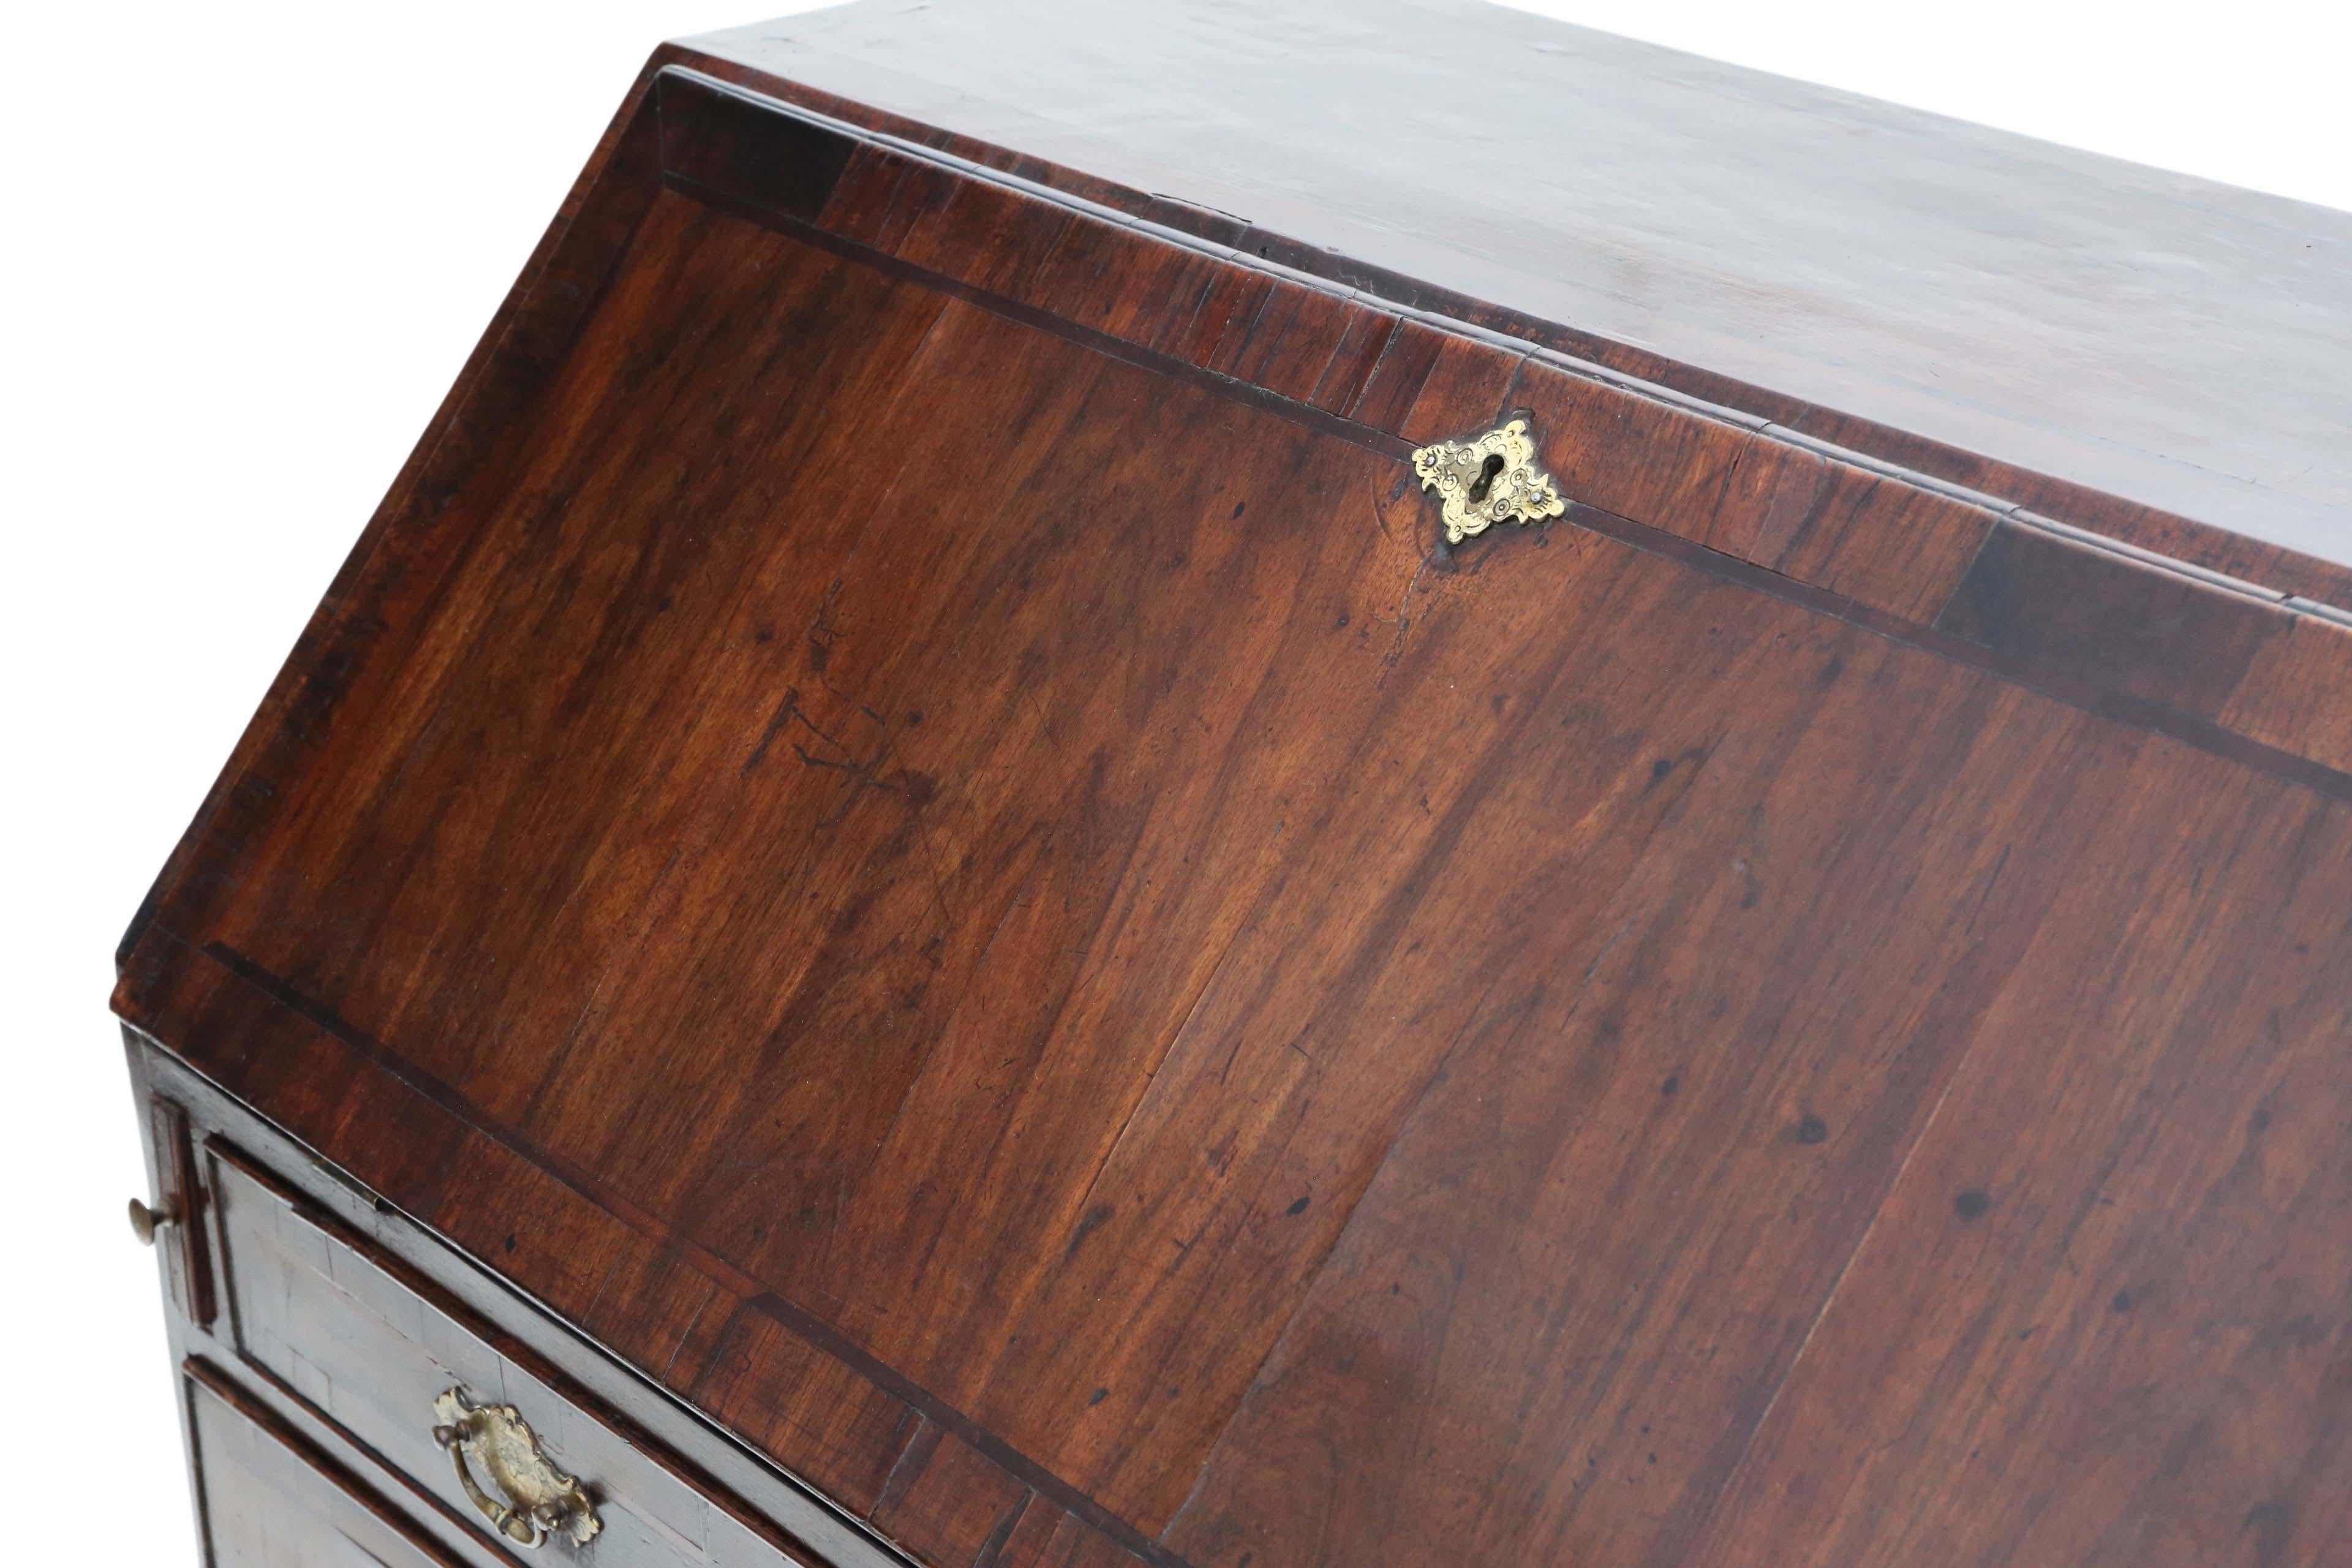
x: 247, y: 247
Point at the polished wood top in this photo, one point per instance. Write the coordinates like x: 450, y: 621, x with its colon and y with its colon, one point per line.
x: 1780, y: 247
x: 904, y: 817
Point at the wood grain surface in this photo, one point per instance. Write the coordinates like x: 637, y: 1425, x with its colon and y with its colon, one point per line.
x: 903, y: 817
x: 272, y: 1502
x: 2125, y: 348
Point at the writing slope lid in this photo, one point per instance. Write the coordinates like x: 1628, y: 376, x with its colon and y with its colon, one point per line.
x: 904, y: 815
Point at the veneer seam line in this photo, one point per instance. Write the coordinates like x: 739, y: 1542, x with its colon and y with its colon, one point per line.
x: 1775, y: 431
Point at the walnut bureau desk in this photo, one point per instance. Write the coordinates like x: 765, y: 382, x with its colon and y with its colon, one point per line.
x: 1308, y: 786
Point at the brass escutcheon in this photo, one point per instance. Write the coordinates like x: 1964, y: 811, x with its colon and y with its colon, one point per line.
x: 545, y: 1501
x: 1488, y: 479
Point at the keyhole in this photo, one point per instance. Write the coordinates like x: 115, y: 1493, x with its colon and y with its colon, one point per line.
x: 1486, y: 472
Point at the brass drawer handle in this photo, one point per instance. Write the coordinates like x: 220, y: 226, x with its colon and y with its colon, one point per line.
x: 546, y: 1501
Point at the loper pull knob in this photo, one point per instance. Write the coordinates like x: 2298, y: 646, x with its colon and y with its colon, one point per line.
x: 145, y: 1222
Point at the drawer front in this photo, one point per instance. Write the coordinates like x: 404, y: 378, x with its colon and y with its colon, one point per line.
x: 370, y: 1349
x: 272, y: 1502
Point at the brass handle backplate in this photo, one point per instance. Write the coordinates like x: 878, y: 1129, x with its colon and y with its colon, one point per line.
x: 544, y: 1501
x: 1488, y: 479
